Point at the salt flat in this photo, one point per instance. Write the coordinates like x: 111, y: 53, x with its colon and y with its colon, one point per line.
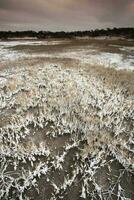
x: 66, y: 120
x: 123, y: 59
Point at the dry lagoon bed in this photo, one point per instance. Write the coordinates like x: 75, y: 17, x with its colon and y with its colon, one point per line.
x: 67, y: 120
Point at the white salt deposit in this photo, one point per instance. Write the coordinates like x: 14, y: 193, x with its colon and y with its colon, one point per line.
x: 8, y: 54
x: 91, y: 55
x: 129, y: 49
x: 101, y: 58
x: 3, y: 81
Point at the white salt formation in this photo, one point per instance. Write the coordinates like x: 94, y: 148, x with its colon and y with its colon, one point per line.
x: 64, y: 135
x: 124, y: 59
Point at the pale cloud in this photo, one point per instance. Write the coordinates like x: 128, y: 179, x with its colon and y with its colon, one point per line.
x: 65, y: 14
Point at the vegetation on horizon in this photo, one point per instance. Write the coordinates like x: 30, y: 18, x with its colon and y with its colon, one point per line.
x: 123, y: 32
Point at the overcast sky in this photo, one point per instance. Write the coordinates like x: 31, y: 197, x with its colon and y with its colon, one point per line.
x: 66, y: 15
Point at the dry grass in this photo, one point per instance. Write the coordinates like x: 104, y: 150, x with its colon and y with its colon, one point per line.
x: 66, y: 128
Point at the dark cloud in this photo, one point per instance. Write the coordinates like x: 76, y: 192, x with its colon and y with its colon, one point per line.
x: 65, y: 14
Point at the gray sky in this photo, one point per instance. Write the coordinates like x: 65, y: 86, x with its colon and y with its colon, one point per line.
x: 66, y: 15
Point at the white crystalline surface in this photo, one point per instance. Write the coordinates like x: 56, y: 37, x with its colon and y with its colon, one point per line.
x: 127, y: 49
x: 64, y: 135
x: 101, y: 58
x: 7, y: 54
x: 28, y: 42
x: 91, y: 55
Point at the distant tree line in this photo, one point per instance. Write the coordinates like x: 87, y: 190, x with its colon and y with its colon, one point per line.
x: 124, y: 32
